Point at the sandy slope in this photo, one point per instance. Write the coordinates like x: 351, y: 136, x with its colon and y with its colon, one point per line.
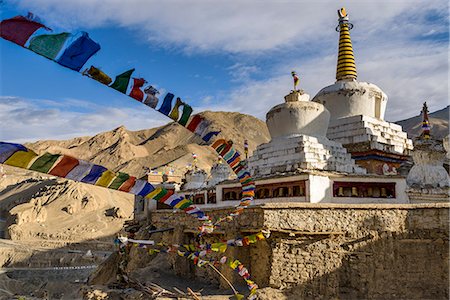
x: 60, y: 209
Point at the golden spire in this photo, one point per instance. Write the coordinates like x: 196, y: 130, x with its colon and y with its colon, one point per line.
x: 346, y: 67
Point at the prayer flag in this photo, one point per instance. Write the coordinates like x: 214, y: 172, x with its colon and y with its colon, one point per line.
x: 119, y: 180
x: 136, y: 92
x: 21, y: 159
x: 8, y: 149
x: 19, y: 29
x: 122, y: 80
x: 151, y: 99
x: 174, y: 114
x: 138, y: 186
x: 44, y: 163
x: 146, y: 189
x: 127, y: 185
x: 98, y: 75
x: 194, y: 123
x: 167, y: 104
x: 48, y: 45
x: 77, y: 53
x: 94, y: 174
x: 64, y: 166
x: 296, y: 79
x: 187, y: 111
x: 207, y: 137
x: 81, y: 170
x: 106, y: 178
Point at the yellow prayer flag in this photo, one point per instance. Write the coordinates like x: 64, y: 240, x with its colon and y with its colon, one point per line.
x: 235, y: 264
x: 106, y: 178
x: 223, y: 247
x: 154, y: 193
x: 21, y: 159
x: 260, y: 236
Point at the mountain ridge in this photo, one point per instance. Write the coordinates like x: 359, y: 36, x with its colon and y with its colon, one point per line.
x: 135, y: 151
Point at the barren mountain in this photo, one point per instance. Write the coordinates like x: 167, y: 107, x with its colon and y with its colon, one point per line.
x: 133, y: 151
x: 438, y: 121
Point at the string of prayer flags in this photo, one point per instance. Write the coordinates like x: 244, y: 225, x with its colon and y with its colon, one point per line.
x: 19, y: 29
x: 74, y: 56
x: 48, y: 45
x: 72, y: 168
x: 243, y: 272
x: 121, y: 82
x: 214, y: 247
x: 78, y: 53
x: 97, y: 75
x: 199, y: 257
x: 232, y: 157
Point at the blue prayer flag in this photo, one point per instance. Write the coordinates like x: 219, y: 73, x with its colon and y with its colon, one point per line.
x: 77, y: 53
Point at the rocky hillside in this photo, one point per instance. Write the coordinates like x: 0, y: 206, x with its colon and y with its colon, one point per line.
x: 59, y: 209
x: 438, y: 121
x: 133, y: 151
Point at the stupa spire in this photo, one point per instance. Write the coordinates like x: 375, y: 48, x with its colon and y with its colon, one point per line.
x: 425, y: 122
x: 346, y: 67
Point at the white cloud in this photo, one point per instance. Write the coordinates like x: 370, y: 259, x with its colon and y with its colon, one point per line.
x: 26, y: 121
x: 233, y: 26
x: 241, y: 72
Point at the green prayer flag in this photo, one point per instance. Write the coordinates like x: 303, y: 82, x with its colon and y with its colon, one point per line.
x: 48, y: 45
x: 120, y: 179
x: 121, y: 82
x: 45, y: 162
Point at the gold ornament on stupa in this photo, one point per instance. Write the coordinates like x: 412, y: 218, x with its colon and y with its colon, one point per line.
x: 346, y: 67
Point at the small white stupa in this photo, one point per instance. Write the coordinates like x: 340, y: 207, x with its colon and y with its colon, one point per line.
x: 219, y: 173
x: 195, y: 179
x: 428, y: 180
x: 357, y: 113
x: 298, y: 142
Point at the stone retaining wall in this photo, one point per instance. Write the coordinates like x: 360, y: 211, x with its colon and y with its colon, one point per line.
x: 332, y: 250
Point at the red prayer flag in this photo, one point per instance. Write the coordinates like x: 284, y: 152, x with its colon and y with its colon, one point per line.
x: 136, y: 92
x: 19, y: 29
x: 64, y: 166
x: 194, y: 123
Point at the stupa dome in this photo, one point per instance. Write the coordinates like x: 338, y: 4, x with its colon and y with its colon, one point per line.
x: 297, y: 116
x: 352, y: 98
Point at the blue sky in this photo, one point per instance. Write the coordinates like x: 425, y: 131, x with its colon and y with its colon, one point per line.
x: 230, y: 56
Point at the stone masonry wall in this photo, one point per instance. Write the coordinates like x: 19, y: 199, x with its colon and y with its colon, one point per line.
x: 325, y: 251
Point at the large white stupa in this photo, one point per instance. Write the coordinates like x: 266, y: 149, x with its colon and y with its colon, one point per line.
x: 298, y: 142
